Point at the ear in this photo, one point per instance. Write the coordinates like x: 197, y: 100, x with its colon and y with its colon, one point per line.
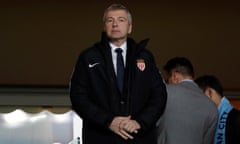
x: 209, y: 92
x: 174, y: 75
x: 177, y: 77
x: 130, y: 29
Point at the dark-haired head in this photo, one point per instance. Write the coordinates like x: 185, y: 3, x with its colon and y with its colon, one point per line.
x: 210, y: 81
x: 181, y: 65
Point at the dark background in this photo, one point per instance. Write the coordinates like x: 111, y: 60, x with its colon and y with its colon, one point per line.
x: 40, y: 40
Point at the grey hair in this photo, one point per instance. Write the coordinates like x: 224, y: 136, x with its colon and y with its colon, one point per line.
x: 117, y: 7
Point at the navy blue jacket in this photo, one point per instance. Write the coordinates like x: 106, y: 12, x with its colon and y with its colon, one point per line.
x: 97, y: 100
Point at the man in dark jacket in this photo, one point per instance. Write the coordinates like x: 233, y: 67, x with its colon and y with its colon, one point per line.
x: 113, y: 111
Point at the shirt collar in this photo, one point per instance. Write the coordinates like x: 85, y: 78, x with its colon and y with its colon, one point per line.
x: 123, y: 46
x: 188, y: 80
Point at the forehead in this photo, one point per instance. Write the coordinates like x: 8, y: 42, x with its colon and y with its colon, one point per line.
x: 116, y: 13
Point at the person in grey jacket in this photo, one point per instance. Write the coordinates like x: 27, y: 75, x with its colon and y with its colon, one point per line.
x: 190, y: 117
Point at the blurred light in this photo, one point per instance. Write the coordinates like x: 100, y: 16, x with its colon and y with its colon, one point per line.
x: 62, y: 117
x: 38, y: 117
x: 15, y: 117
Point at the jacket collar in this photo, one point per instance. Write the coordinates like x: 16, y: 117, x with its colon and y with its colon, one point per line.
x: 137, y: 47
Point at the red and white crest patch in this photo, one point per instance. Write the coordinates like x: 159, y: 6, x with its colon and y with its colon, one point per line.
x: 141, y: 64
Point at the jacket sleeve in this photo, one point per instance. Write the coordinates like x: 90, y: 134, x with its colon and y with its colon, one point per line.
x: 156, y: 102
x: 82, y: 103
x: 210, y: 132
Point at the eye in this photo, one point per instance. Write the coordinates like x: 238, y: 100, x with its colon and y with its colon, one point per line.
x: 121, y: 19
x: 109, y: 20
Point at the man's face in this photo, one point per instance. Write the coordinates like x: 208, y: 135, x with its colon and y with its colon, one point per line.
x: 172, y: 77
x: 117, y: 24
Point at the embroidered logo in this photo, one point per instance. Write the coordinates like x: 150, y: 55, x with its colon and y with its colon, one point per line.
x: 141, y: 64
x: 93, y: 65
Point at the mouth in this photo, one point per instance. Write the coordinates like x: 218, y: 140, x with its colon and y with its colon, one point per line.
x: 115, y: 31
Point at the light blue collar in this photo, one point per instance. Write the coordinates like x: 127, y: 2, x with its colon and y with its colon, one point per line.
x: 223, y: 110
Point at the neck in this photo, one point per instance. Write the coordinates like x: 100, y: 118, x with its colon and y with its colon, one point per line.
x: 118, y: 42
x: 218, y: 100
x: 182, y: 78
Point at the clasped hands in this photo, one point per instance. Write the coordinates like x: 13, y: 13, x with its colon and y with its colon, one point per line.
x: 124, y: 126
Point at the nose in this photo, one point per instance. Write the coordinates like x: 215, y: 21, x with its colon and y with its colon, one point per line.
x: 115, y: 23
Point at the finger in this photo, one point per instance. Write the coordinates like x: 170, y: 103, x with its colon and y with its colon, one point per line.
x: 123, y: 123
x: 122, y: 135
x: 123, y: 132
x: 133, y: 129
x: 130, y: 127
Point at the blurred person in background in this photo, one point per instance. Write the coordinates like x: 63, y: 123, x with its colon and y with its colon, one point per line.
x: 190, y: 117
x: 228, y: 127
